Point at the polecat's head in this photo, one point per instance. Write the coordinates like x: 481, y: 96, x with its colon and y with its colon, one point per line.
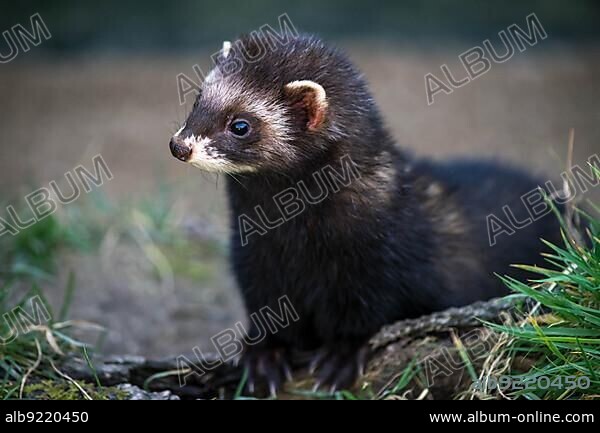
x: 271, y: 109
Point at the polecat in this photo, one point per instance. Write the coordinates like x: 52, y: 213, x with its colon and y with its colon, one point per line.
x: 402, y: 239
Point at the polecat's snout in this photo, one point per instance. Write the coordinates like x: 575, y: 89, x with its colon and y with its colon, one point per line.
x: 180, y: 150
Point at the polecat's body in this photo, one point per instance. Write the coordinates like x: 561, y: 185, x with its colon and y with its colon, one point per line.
x: 404, y: 239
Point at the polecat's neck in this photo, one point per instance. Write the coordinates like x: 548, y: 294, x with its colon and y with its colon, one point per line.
x: 346, y: 176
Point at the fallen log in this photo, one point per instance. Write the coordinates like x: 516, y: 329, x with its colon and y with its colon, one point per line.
x: 431, y: 355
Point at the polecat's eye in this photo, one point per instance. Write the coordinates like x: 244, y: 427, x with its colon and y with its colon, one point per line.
x: 239, y: 128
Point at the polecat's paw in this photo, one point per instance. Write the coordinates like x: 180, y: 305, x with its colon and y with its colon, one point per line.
x: 338, y: 367
x: 269, y: 366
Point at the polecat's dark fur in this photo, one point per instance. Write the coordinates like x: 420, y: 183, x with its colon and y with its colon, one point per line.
x: 404, y: 239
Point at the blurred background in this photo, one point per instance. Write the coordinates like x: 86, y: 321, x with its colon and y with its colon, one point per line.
x: 144, y: 256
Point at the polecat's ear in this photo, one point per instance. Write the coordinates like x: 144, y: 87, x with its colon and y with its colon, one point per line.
x: 310, y: 97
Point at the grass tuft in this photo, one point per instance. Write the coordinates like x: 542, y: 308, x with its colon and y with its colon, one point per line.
x: 555, y: 349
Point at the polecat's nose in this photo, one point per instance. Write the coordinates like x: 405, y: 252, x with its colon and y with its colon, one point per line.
x: 180, y: 150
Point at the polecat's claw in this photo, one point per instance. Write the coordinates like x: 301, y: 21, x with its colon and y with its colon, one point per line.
x: 339, y: 367
x: 273, y: 389
x: 315, y: 363
x: 251, y: 387
x: 267, y: 366
x: 316, y: 386
x: 287, y: 371
x: 361, y: 359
